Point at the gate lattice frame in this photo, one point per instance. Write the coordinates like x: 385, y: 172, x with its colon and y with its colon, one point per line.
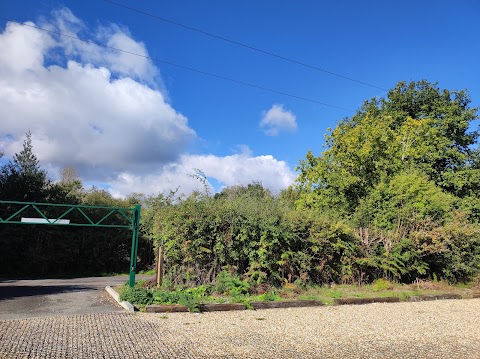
x: 131, y: 215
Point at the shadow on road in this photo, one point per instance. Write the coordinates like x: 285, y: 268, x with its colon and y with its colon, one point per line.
x: 17, y: 291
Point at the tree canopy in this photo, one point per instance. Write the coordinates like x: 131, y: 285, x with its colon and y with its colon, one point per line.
x: 418, y: 127
x: 405, y: 171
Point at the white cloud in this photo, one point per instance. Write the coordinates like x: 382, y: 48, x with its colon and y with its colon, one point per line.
x: 277, y: 120
x: 238, y: 169
x: 120, y: 63
x: 80, y: 114
x: 22, y: 50
x: 104, y: 112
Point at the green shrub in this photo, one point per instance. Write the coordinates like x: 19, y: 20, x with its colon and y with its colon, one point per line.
x: 141, y: 283
x: 232, y: 285
x: 201, y: 291
x: 270, y: 296
x: 188, y: 297
x: 165, y: 297
x: 191, y: 302
x: 141, y: 296
x: 381, y: 284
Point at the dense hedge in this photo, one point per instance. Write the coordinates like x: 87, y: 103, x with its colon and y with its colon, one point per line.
x: 263, y: 238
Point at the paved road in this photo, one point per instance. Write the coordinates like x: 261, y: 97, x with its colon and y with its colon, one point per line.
x: 52, y: 297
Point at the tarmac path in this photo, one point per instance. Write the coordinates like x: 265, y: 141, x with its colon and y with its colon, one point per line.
x: 29, y: 298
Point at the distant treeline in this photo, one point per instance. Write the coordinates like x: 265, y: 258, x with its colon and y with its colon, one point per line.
x: 45, y: 250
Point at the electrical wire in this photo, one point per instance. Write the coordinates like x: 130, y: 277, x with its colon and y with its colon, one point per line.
x: 265, y: 52
x: 181, y: 66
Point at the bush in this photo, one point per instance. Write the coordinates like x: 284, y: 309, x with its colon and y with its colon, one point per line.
x: 270, y: 296
x: 381, y: 284
x: 189, y: 298
x: 141, y: 296
x: 228, y: 284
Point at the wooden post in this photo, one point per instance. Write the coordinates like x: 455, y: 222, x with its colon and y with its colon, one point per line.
x: 160, y: 266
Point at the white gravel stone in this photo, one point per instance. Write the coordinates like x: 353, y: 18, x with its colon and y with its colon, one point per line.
x: 437, y: 329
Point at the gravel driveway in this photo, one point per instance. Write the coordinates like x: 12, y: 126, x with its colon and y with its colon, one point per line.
x: 440, y: 329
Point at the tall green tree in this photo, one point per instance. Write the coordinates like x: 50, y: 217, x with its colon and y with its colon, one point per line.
x: 405, y: 170
x: 418, y: 126
x: 22, y: 178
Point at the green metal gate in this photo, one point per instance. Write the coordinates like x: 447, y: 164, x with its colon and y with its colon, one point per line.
x: 13, y: 212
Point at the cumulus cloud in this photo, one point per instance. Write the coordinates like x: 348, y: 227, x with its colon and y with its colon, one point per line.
x: 120, y: 63
x: 106, y: 113
x: 277, y: 120
x: 83, y: 114
x: 238, y: 169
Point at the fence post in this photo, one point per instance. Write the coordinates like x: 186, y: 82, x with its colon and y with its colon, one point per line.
x: 134, y: 251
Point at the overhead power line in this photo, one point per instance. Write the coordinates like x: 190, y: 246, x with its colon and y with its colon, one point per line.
x: 180, y: 66
x: 265, y: 52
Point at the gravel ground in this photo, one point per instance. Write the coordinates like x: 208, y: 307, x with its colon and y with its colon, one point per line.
x: 440, y: 329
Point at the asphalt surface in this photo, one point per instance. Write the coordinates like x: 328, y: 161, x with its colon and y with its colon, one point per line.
x: 29, y: 298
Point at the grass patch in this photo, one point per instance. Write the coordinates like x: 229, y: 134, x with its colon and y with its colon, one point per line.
x: 228, y: 289
x: 148, y: 272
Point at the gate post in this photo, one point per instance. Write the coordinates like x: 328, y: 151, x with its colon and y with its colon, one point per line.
x: 134, y: 250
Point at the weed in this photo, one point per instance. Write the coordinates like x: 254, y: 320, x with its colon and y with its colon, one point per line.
x: 228, y: 284
x: 269, y: 296
x: 165, y: 297
x: 332, y: 293
x: 233, y: 290
x: 190, y: 302
x: 140, y: 296
x: 179, y: 296
x: 381, y: 284
x: 308, y: 297
x: 142, y: 283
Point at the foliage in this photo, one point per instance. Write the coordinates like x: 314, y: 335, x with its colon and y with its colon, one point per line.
x: 402, y: 201
x: 393, y: 198
x: 418, y: 126
x: 232, y: 285
x: 239, y: 242
x: 381, y: 284
x: 405, y: 171
x: 244, y: 237
x: 459, y: 257
x: 40, y: 250
x: 183, y: 297
x: 141, y: 296
x: 270, y: 296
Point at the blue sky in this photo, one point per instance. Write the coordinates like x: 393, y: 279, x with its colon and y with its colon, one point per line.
x: 140, y: 125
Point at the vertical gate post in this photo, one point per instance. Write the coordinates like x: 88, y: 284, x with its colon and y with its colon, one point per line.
x: 134, y: 250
